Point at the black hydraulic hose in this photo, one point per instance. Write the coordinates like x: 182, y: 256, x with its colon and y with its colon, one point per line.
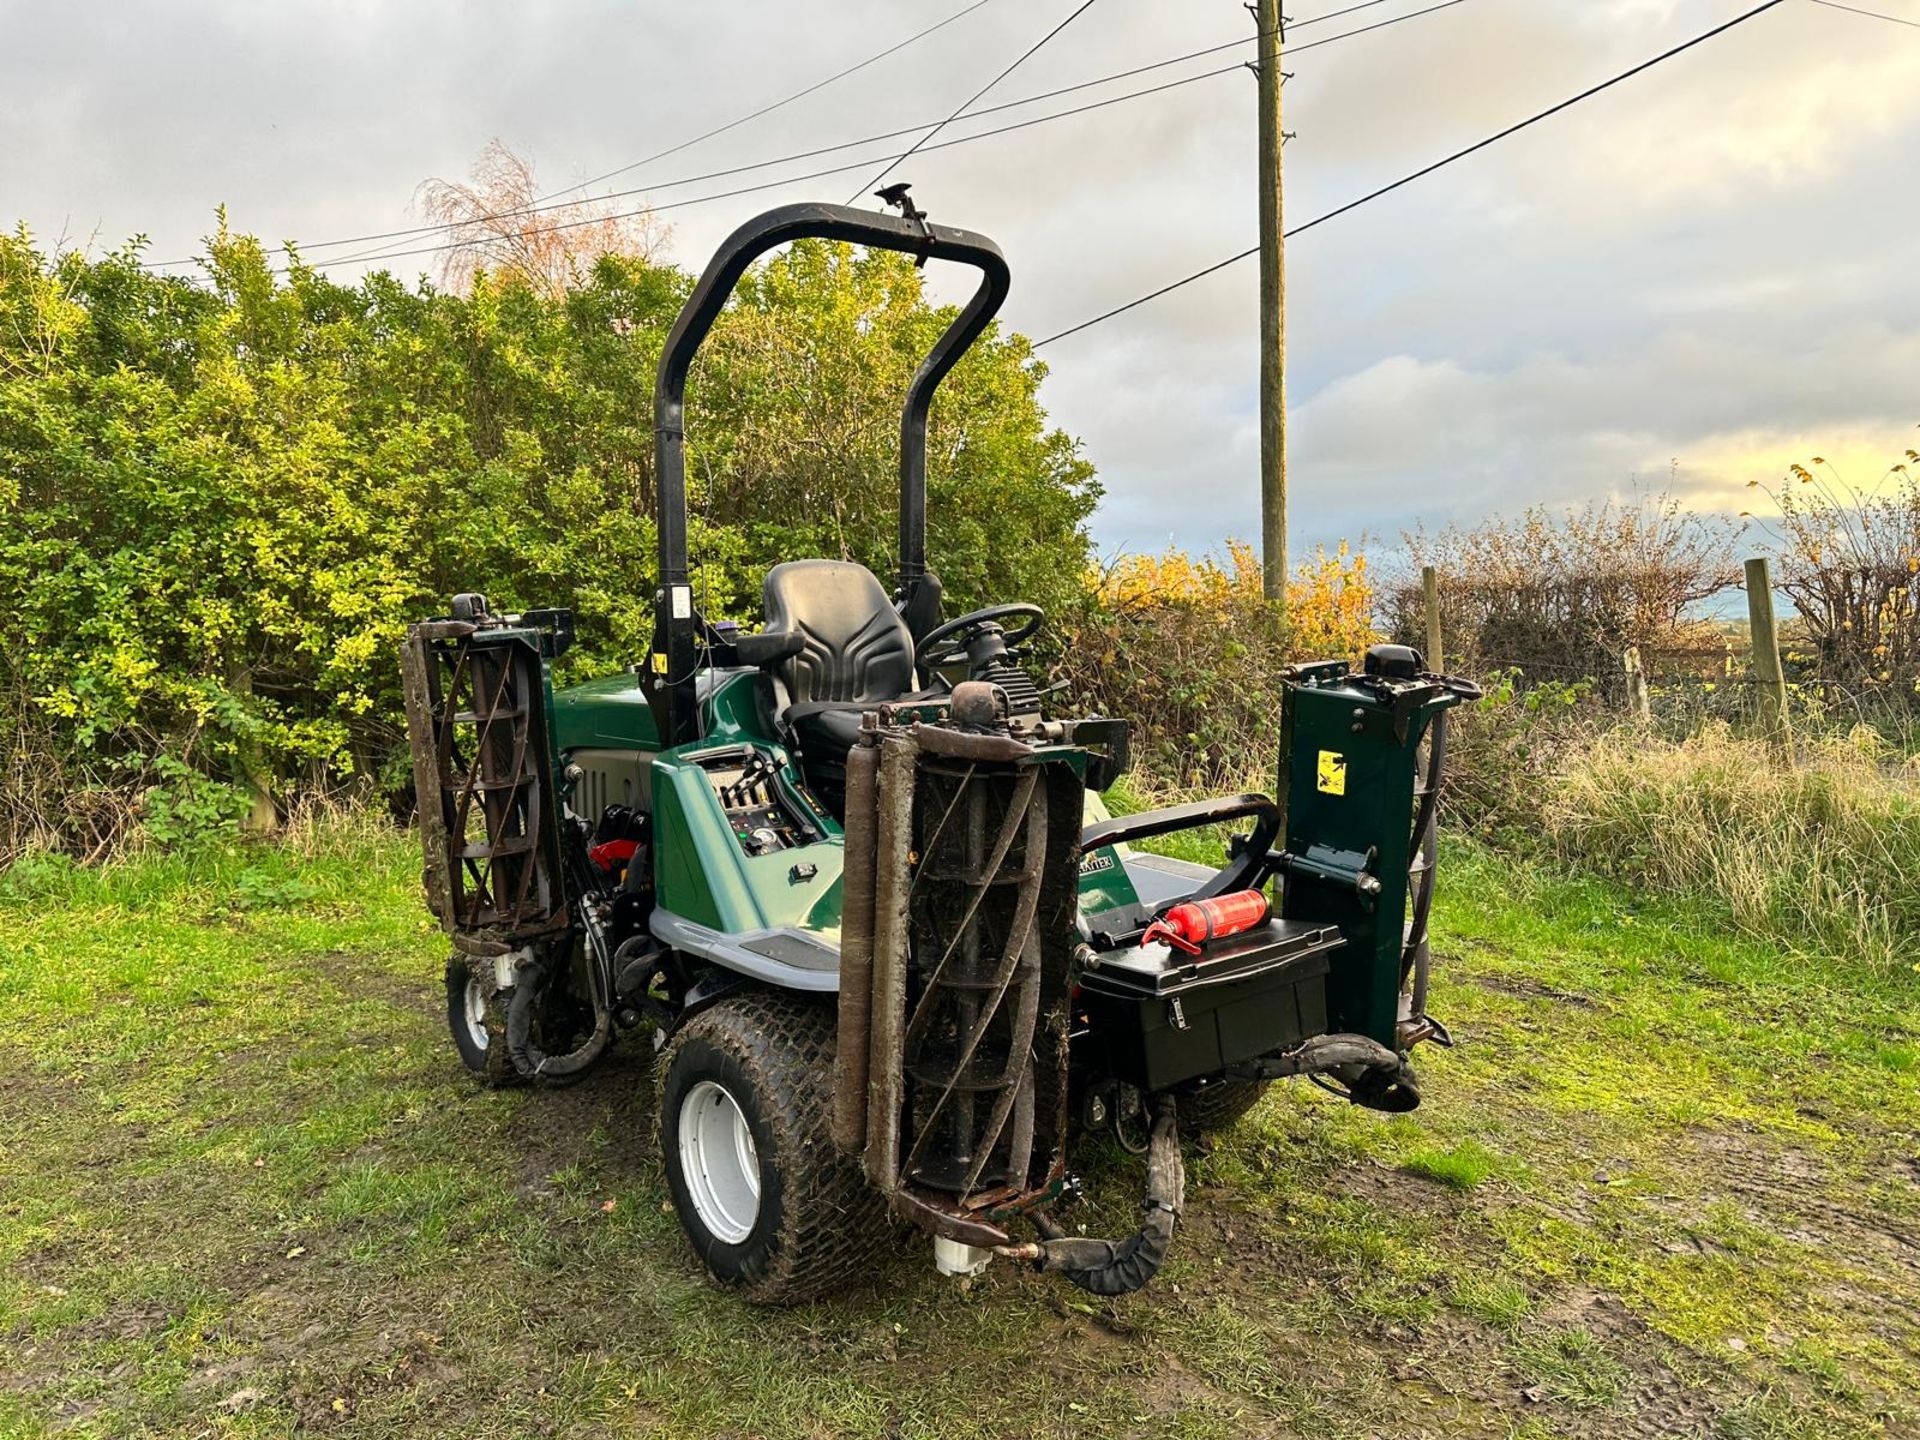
x: 528, y: 990
x: 1426, y: 838
x: 1110, y: 1267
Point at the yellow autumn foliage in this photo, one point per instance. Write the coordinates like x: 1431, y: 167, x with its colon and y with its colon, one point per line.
x: 1188, y: 649
x: 1329, y: 599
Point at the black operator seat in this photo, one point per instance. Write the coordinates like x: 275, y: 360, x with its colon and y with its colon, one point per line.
x: 856, y: 654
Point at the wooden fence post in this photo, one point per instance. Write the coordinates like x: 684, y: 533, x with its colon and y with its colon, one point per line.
x: 1769, y: 678
x: 1637, y: 701
x: 1430, y: 582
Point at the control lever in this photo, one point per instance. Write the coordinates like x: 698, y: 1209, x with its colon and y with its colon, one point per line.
x: 751, y: 786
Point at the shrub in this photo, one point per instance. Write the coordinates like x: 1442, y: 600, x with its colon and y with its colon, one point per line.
x: 1190, y: 651
x: 1505, y: 752
x: 221, y: 502
x: 1561, y: 595
x: 1821, y: 852
x: 1817, y: 853
x: 1850, y: 562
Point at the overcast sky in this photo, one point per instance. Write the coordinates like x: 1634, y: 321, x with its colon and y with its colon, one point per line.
x: 1713, y: 267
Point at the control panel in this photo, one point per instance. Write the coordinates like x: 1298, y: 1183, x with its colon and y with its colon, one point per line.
x: 747, y: 784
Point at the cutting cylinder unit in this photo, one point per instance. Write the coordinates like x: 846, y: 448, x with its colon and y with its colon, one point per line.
x: 956, y: 943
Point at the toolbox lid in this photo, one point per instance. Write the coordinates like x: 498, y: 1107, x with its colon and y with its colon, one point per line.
x: 1157, y: 969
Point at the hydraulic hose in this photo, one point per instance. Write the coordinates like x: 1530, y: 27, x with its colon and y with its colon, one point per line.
x: 1370, y: 1073
x: 529, y: 989
x: 1110, y: 1267
x: 1426, y: 844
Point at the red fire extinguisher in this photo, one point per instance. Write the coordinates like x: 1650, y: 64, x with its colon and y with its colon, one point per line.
x: 1192, y: 924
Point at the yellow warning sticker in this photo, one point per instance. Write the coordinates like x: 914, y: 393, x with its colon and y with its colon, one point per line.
x: 659, y: 663
x: 1333, y: 773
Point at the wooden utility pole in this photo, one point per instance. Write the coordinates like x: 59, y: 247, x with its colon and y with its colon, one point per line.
x: 1273, y: 309
x: 1769, y: 678
x: 1430, y: 583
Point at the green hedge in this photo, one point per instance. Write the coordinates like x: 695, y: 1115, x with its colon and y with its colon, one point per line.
x: 224, y: 496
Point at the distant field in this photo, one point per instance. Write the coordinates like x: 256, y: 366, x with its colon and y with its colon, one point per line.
x: 1668, y: 1184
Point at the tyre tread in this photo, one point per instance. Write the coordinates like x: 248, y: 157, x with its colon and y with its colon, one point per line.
x: 1218, y: 1106
x: 831, y: 1221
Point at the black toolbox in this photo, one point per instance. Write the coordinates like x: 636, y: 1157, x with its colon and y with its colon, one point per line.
x: 1158, y: 1017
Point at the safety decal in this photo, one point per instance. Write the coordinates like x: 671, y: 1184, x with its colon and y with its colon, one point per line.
x: 1333, y: 773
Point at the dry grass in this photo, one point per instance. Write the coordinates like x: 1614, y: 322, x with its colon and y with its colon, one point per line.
x: 1817, y: 853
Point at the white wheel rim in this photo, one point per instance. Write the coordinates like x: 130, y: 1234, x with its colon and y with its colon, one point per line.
x: 719, y: 1163
x: 475, y: 1011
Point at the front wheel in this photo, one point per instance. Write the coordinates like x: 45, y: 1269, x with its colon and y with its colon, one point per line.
x: 477, y: 1018
x: 772, y: 1208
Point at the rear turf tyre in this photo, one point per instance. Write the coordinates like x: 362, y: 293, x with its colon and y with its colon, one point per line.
x: 477, y: 1018
x: 772, y: 1208
x: 1218, y: 1106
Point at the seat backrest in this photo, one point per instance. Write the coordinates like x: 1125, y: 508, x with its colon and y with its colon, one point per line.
x: 857, y: 647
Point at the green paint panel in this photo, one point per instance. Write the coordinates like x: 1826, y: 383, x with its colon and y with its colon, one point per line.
x: 604, y: 714
x: 704, y: 875
x: 1104, y: 883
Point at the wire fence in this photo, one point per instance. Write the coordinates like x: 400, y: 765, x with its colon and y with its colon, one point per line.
x: 1726, y: 676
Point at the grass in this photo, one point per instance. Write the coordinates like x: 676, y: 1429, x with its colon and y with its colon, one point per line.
x: 1667, y: 1184
x: 1460, y: 1167
x: 1814, y: 854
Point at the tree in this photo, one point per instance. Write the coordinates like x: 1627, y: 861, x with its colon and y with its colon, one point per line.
x: 496, y: 223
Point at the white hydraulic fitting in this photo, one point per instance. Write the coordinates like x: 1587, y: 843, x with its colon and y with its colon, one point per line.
x: 950, y: 1257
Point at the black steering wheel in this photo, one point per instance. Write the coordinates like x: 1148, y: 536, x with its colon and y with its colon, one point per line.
x: 949, y: 644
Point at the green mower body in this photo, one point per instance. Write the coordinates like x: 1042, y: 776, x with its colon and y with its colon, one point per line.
x: 854, y: 872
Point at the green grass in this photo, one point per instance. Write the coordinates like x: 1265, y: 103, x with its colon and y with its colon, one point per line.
x: 1667, y: 1183
x: 1461, y: 1166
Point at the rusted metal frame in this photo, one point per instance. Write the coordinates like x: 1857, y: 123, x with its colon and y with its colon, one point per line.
x: 929, y: 1214
x: 1018, y: 1076
x: 853, y: 1022
x: 945, y: 815
x: 886, y: 1046
x: 481, y: 890
x: 1015, y: 1083
x: 489, y: 902
x: 497, y: 811
x: 1020, y: 1147
x: 978, y: 1221
x: 420, y: 676
x: 1026, y: 904
x: 474, y: 900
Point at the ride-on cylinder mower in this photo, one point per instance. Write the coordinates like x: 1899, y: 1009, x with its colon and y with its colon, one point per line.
x: 857, y: 881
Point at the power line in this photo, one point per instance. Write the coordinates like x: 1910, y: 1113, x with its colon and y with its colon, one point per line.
x: 1420, y: 173
x: 862, y: 164
x: 875, y: 139
x: 1870, y: 14
x: 1332, y: 14
x: 815, y: 174
x: 980, y: 114
x: 540, y: 207
x: 776, y: 105
x: 1026, y: 55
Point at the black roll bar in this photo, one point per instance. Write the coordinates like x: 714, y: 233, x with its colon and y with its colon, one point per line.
x: 674, y: 600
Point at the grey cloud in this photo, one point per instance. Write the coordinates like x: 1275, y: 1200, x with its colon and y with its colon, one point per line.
x: 1712, y: 262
